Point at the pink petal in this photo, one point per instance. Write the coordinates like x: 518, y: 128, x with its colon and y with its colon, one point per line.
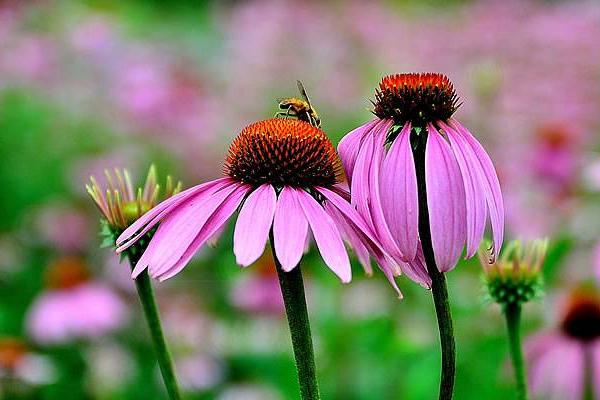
x: 253, y: 225
x: 474, y: 195
x: 445, y: 201
x: 399, y: 200
x: 328, y: 238
x: 213, y: 225
x: 360, y: 187
x: 157, y: 213
x: 358, y: 229
x: 350, y: 144
x: 417, y: 269
x: 290, y: 228
x: 177, y: 231
x: 489, y: 183
x: 365, y: 186
x: 566, y: 382
x: 351, y: 237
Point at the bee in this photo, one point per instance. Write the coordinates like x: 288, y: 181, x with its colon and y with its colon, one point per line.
x: 299, y: 108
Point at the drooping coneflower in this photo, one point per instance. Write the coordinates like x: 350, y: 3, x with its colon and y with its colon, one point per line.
x: 121, y: 205
x: 425, y: 186
x: 564, y: 362
x: 285, y: 174
x: 511, y: 281
x: 414, y: 115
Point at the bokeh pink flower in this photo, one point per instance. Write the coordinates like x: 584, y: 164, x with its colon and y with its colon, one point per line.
x: 75, y: 306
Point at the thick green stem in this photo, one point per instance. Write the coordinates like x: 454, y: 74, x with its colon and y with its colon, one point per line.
x: 438, y: 280
x: 292, y: 289
x: 512, y: 313
x: 146, y: 295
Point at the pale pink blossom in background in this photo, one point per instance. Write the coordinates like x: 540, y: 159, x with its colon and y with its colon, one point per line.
x: 591, y: 174
x: 63, y: 228
x: 183, y: 309
x: 198, y: 372
x: 249, y: 391
x: 87, y: 311
x: 113, y: 366
x: 258, y: 293
x: 555, y: 158
x: 94, y: 36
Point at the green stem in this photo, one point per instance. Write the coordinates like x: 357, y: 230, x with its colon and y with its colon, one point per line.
x: 292, y: 289
x: 589, y: 373
x: 438, y: 279
x: 146, y: 295
x: 512, y: 313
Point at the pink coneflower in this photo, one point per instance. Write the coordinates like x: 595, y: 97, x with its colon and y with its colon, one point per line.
x: 74, y: 307
x: 414, y: 114
x: 564, y: 363
x: 285, y: 174
x: 555, y: 158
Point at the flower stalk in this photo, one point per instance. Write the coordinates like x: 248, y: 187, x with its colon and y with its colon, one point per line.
x: 292, y: 289
x: 150, y: 308
x: 512, y: 312
x: 512, y: 280
x: 438, y: 280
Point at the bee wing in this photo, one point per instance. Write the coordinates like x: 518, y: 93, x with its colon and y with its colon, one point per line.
x: 303, y: 93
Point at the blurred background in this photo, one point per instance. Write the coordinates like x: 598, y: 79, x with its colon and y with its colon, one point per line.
x: 99, y: 84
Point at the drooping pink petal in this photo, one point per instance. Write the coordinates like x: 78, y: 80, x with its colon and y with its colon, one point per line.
x: 365, y: 186
x: 351, y: 237
x: 213, y: 225
x: 290, y: 228
x: 350, y: 144
x: 361, y: 180
x: 357, y: 226
x: 445, y: 201
x: 390, y: 269
x: 327, y: 236
x: 348, y: 211
x: 398, y: 188
x: 474, y: 195
x: 489, y: 183
x: 178, y: 229
x: 253, y: 225
x: 147, y: 221
x: 417, y: 269
x: 549, y: 382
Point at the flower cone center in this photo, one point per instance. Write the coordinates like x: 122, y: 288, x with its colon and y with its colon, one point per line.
x: 283, y: 152
x: 582, y: 320
x: 418, y: 98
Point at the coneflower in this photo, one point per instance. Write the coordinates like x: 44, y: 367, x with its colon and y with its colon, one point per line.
x: 285, y: 176
x: 425, y: 185
x: 564, y: 362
